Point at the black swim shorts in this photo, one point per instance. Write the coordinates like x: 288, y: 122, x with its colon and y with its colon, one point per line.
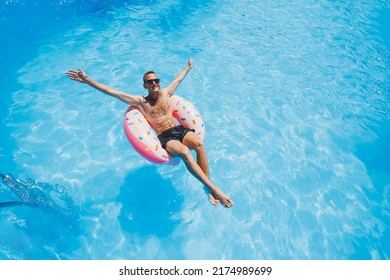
x: 173, y: 133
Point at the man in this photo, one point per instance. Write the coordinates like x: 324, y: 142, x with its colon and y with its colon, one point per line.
x: 156, y: 108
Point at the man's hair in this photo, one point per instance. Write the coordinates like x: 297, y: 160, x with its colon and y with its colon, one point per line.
x: 147, y: 73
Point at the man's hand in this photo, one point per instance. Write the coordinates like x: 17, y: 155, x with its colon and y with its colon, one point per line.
x: 79, y: 76
x: 191, y: 62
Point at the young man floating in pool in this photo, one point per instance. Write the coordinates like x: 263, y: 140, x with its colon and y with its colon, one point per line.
x: 157, y: 110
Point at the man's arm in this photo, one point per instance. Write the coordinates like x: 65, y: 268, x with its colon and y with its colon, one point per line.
x: 175, y: 83
x: 82, y: 77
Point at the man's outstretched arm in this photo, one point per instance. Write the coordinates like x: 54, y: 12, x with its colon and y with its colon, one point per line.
x: 176, y: 82
x: 82, y: 77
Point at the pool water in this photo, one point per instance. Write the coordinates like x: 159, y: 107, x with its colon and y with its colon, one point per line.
x: 295, y: 96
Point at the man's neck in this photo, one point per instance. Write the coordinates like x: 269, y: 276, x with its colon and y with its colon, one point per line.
x: 152, y: 96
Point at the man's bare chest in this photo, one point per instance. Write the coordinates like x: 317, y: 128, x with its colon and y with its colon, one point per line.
x: 159, y: 107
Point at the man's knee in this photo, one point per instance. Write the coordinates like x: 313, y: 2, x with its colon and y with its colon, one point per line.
x: 184, y: 152
x: 193, y: 141
x: 198, y: 145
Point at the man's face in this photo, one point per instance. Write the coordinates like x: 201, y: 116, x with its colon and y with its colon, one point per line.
x: 152, y: 83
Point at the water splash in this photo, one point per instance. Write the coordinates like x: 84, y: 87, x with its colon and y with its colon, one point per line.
x: 31, y: 193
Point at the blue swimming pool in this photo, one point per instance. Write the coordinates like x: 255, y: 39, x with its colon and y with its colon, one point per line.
x: 295, y: 96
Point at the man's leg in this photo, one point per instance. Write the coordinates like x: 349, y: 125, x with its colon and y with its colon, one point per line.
x: 193, y: 141
x: 178, y: 149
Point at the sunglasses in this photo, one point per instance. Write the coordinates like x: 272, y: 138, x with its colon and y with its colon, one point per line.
x: 149, y: 82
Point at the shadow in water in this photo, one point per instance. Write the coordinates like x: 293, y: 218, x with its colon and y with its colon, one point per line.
x: 14, y: 203
x: 149, y: 203
x: 375, y: 156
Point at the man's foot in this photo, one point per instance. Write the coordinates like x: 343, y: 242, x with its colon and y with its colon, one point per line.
x: 214, y: 201
x: 220, y: 197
